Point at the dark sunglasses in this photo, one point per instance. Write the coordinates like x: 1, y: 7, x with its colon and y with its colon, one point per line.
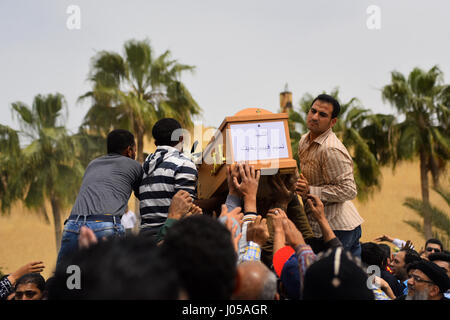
x: 29, y: 294
x: 432, y: 249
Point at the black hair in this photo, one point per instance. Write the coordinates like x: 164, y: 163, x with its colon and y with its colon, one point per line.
x: 373, y: 254
x: 439, y: 256
x: 34, y: 278
x: 202, y: 251
x: 387, y: 251
x: 119, y: 268
x: 411, y: 256
x: 119, y: 140
x: 435, y: 241
x: 327, y: 98
x: 162, y: 132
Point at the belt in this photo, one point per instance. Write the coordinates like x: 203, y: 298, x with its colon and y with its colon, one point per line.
x: 96, y: 217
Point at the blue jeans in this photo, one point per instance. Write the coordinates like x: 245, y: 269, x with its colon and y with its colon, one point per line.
x: 350, y: 240
x: 69, y: 241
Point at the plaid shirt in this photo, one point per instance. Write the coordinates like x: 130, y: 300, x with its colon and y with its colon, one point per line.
x: 306, y: 257
x: 252, y: 252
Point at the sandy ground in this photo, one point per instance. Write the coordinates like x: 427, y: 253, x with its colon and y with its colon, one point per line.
x: 25, y: 237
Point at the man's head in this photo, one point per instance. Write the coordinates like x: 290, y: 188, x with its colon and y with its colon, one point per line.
x: 373, y: 254
x: 257, y: 282
x: 201, y: 250
x: 30, y: 286
x: 387, y: 253
x: 433, y: 246
x: 442, y: 260
x: 118, y: 268
x: 323, y: 114
x: 427, y: 281
x: 336, y: 275
x: 163, y: 132
x: 122, y: 142
x: 401, y: 261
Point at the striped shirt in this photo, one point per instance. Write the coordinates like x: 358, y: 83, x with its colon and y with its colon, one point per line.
x: 6, y: 288
x: 328, y: 167
x: 165, y: 173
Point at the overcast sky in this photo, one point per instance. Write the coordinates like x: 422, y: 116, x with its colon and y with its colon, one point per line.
x: 244, y: 51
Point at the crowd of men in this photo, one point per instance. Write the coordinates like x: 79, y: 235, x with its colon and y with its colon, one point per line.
x: 286, y: 236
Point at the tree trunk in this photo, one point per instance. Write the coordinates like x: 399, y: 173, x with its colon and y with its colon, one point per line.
x: 57, y: 222
x: 435, y: 171
x: 425, y: 195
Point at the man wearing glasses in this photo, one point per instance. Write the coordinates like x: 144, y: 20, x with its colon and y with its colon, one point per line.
x: 427, y: 281
x: 432, y: 246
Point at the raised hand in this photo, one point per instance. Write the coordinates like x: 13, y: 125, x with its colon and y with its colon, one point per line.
x: 257, y: 231
x: 180, y: 205
x: 293, y: 237
x: 315, y: 208
x: 235, y: 213
x: 249, y: 180
x: 383, y: 238
x: 302, y: 186
x: 284, y: 195
x: 233, y: 172
x: 277, y: 215
x: 279, y: 238
x: 86, y: 238
x: 234, y: 236
x: 31, y: 267
x: 248, y: 186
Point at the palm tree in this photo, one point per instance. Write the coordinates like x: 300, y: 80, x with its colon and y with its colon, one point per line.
x: 440, y: 220
x: 134, y: 91
x: 49, y: 168
x: 10, y: 186
x: 353, y: 121
x: 424, y: 101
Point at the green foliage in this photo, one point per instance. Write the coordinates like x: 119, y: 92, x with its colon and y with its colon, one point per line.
x: 424, y: 101
x: 49, y: 167
x: 10, y: 186
x: 49, y: 164
x: 440, y: 220
x: 133, y: 91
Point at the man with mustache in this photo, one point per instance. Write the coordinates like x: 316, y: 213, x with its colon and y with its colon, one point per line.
x: 427, y: 281
x: 327, y: 172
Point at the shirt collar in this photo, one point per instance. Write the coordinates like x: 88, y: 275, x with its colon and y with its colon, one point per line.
x: 168, y: 148
x: 320, y: 139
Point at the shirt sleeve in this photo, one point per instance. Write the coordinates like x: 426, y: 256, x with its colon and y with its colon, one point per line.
x: 399, y: 243
x: 338, y: 173
x: 252, y: 252
x: 137, y: 181
x: 5, y: 288
x: 166, y: 226
x: 232, y: 202
x: 306, y: 257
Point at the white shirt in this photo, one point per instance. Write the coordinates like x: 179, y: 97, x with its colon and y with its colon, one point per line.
x: 128, y: 220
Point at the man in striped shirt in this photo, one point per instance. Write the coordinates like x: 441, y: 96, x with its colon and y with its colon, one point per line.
x: 166, y: 171
x: 327, y: 172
